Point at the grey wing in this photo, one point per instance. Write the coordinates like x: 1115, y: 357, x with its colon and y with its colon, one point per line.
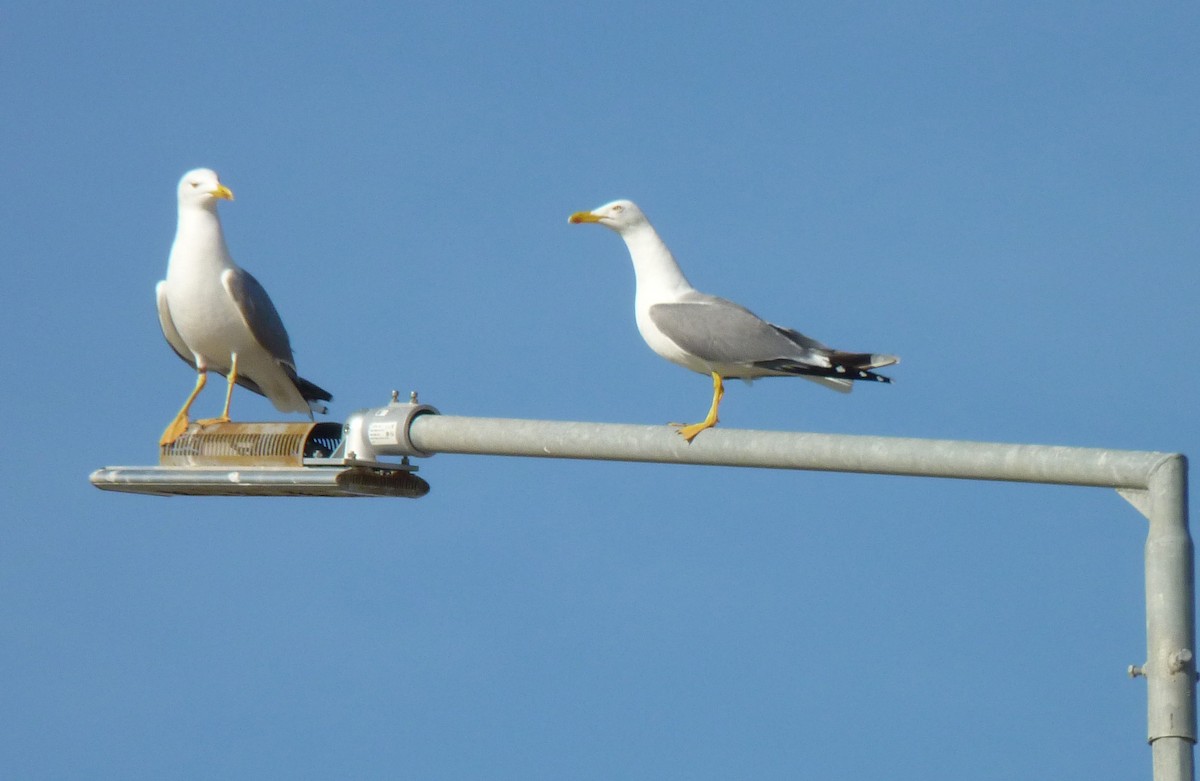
x: 259, y: 314
x: 800, y: 338
x: 179, y: 346
x: 721, y: 331
x: 168, y: 326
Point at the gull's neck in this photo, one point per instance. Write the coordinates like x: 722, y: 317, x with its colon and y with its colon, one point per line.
x: 659, y: 277
x: 199, y: 229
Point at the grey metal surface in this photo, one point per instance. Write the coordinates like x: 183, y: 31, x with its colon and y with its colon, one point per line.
x: 1170, y: 668
x: 369, y: 433
x: 260, y: 481
x: 786, y: 450
x: 1155, y: 483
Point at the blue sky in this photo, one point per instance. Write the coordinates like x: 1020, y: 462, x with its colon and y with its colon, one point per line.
x: 1006, y: 197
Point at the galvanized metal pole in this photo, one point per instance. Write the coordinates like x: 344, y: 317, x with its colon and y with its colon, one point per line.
x: 1170, y: 668
x: 1155, y: 483
x: 785, y: 450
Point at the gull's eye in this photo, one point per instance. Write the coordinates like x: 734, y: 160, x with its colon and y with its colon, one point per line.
x: 618, y: 209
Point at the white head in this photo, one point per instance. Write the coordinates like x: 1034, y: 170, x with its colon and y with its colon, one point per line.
x: 618, y: 215
x: 201, y: 187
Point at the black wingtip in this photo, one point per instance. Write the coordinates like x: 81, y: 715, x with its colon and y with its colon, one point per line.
x: 312, y: 392
x: 851, y: 373
x: 838, y: 371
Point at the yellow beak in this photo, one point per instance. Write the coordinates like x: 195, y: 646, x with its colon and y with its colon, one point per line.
x: 222, y: 192
x: 579, y: 217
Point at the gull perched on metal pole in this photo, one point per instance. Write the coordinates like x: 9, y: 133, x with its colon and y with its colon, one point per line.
x: 217, y: 317
x: 711, y: 335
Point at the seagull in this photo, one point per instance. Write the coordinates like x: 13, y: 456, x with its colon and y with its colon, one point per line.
x: 714, y: 336
x: 217, y: 317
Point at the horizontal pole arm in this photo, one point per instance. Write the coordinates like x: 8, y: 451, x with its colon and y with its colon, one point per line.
x: 786, y: 450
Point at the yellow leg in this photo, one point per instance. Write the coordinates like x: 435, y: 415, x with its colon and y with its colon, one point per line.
x: 179, y: 425
x: 689, y: 432
x: 228, y: 395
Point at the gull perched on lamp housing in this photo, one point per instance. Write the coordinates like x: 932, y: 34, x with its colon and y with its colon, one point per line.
x: 217, y: 317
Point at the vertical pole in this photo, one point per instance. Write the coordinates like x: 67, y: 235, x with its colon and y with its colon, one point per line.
x: 1170, y: 625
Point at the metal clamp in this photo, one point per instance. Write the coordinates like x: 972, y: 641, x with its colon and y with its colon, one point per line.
x: 383, y: 431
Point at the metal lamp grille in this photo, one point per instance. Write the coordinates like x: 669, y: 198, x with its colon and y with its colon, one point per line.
x: 251, y: 444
